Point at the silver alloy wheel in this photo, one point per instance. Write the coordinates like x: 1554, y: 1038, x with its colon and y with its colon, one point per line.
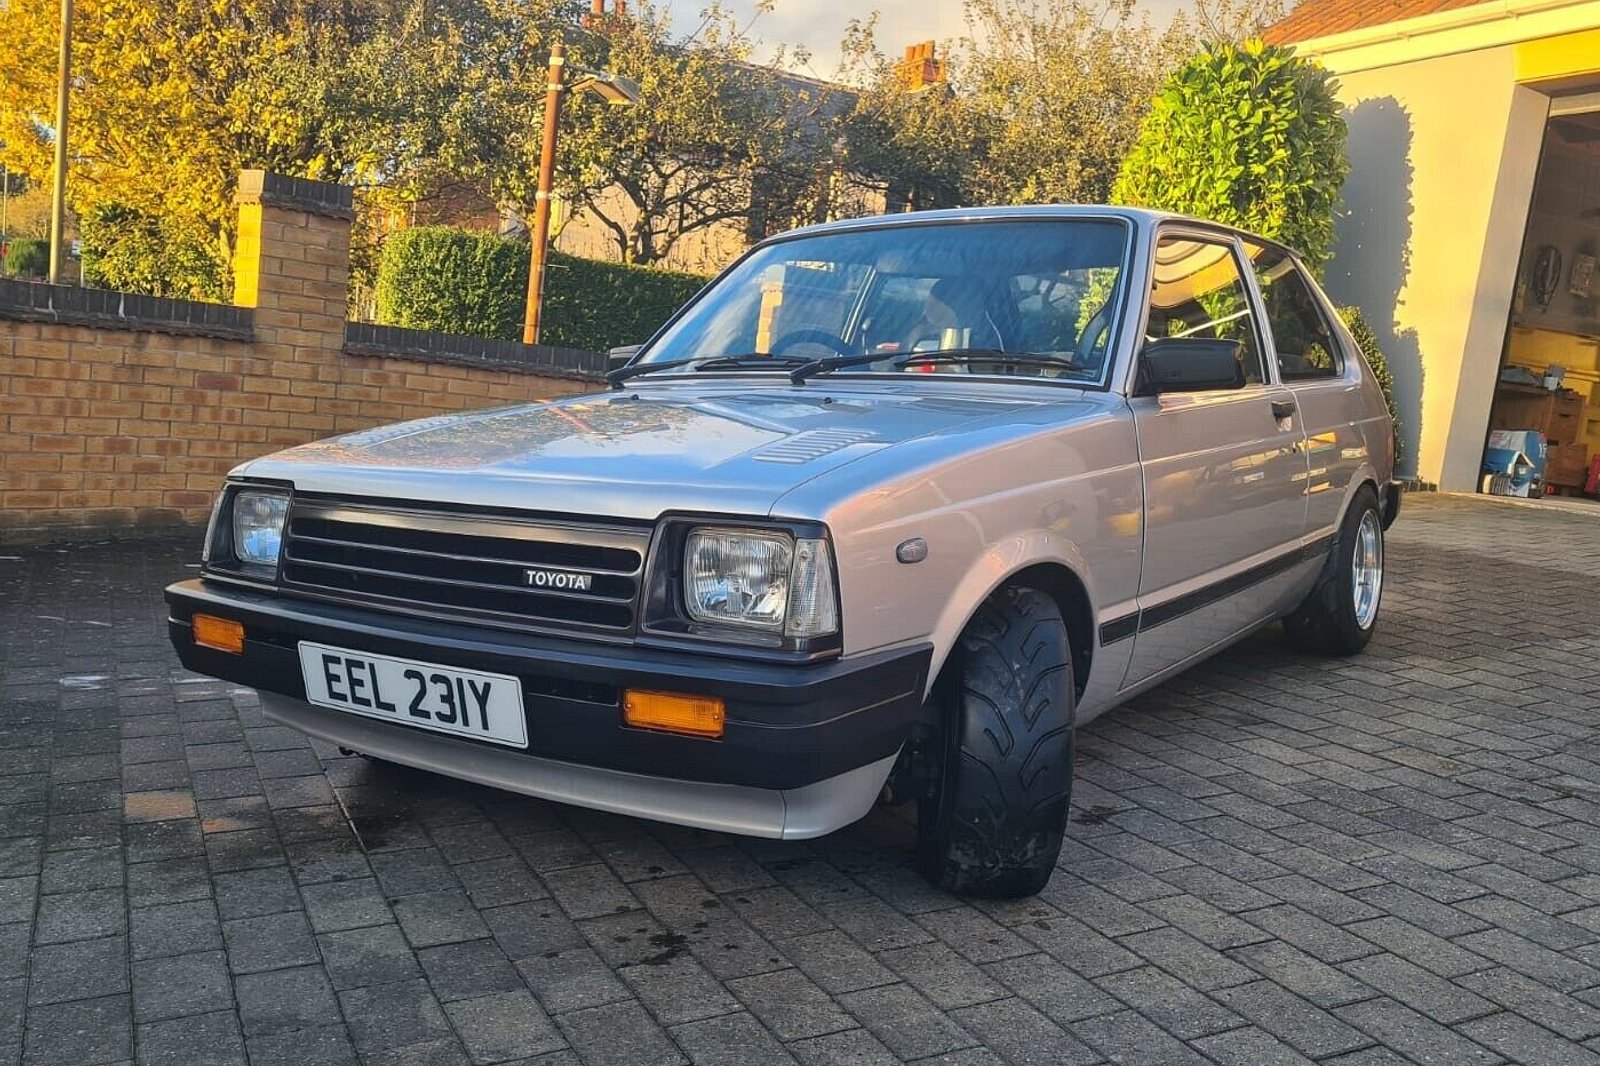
x: 1367, y: 569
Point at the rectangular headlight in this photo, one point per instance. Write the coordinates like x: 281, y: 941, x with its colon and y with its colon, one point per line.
x: 258, y: 520
x: 760, y: 580
x: 737, y: 577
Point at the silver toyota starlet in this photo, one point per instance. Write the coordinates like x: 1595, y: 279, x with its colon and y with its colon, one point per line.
x: 885, y: 513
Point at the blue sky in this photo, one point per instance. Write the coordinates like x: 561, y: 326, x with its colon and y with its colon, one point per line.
x: 818, y: 24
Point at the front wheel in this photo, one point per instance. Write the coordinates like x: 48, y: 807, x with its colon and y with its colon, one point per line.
x: 993, y: 823
x: 1338, y: 616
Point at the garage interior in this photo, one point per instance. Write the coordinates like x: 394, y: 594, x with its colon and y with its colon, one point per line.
x: 1544, y: 427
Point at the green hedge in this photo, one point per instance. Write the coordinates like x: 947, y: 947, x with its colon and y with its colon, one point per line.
x: 438, y: 278
x: 27, y: 257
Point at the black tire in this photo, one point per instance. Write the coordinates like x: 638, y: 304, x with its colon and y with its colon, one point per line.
x: 1327, y: 621
x: 995, y: 819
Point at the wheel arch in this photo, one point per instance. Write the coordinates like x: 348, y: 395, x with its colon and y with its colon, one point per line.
x: 1061, y: 583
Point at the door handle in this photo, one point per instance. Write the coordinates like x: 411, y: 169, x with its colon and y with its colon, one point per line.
x: 1282, y: 409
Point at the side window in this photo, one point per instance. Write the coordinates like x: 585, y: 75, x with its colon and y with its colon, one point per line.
x: 1301, y: 333
x: 1198, y: 291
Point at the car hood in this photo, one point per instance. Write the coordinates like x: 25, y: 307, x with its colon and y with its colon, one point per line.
x: 733, y: 448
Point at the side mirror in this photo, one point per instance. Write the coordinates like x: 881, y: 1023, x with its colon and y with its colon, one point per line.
x: 617, y: 358
x: 1192, y: 364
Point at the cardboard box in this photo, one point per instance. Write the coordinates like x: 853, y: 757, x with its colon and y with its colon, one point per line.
x: 1566, y: 465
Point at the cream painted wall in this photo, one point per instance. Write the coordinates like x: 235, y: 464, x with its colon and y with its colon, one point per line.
x: 1443, y: 155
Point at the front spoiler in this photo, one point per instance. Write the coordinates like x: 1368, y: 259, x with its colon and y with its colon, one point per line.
x: 784, y: 814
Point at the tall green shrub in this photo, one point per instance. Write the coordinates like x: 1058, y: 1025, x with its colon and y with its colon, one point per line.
x: 131, y: 251
x: 439, y: 278
x: 27, y: 257
x: 1249, y: 135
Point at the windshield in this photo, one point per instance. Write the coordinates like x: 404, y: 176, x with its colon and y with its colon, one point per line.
x: 1042, y: 287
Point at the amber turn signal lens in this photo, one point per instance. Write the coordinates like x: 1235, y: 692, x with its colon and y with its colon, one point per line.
x: 219, y: 633
x: 695, y: 716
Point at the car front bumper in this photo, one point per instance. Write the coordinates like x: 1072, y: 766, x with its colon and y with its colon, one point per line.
x: 806, y: 747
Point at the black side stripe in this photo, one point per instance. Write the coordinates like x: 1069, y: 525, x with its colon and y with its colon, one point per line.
x: 1138, y: 621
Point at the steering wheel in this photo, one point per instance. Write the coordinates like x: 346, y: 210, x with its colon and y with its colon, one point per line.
x: 810, y: 336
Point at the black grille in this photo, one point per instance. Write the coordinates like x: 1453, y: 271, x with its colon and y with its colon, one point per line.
x: 470, y: 564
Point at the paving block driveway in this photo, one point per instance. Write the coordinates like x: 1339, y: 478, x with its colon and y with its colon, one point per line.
x: 1274, y: 859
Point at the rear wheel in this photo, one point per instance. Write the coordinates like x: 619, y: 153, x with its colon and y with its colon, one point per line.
x: 1339, y: 615
x: 993, y: 822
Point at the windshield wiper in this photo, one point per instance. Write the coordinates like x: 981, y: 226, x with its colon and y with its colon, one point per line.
x: 952, y: 355
x: 991, y: 355
x: 742, y: 361
x: 623, y: 373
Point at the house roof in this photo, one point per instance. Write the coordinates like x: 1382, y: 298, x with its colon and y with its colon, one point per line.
x: 1321, y: 18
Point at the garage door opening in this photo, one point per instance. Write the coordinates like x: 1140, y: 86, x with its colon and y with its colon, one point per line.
x: 1544, y: 427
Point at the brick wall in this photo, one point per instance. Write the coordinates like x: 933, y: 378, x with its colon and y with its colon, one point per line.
x: 122, y: 412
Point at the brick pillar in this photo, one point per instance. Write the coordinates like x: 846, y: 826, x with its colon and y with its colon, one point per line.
x: 292, y: 265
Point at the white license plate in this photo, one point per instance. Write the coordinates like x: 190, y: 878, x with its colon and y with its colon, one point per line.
x: 445, y: 699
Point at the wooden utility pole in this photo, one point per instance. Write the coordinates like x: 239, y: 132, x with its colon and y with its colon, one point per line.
x: 555, y: 85
x: 59, y: 193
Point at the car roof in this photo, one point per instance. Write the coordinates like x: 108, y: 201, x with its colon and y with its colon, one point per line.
x: 1137, y: 215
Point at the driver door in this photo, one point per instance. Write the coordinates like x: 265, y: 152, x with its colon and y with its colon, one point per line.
x: 1224, y: 469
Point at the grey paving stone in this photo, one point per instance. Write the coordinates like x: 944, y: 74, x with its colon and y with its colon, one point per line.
x: 251, y: 893
x: 1054, y: 990
x: 1127, y: 1037
x: 197, y: 1040
x: 392, y: 1015
x: 677, y: 989
x: 1532, y: 960
x: 1443, y: 1001
x: 1519, y: 1040
x: 371, y: 955
x: 906, y: 1022
x: 469, y: 969
x: 854, y: 1047
x: 14, y: 939
x: 1250, y: 1047
x: 1570, y: 1017
x: 280, y: 1001
x: 498, y: 882
x: 80, y: 869
x: 618, y: 1034
x: 85, y: 1032
x: 446, y: 1051
x: 790, y: 1005
x: 1419, y: 946
x: 1187, y: 959
x: 1311, y: 1031
x: 1182, y: 1011
x: 1403, y: 1030
x: 81, y: 916
x: 836, y: 963
x: 175, y: 929
x: 1019, y: 1034
x: 1317, y: 983
x: 168, y: 881
x: 85, y: 969
x: 180, y: 985
x: 503, y: 1026
x: 338, y: 905
x: 323, y: 1045
x: 270, y: 942
x: 572, y: 979
x: 943, y: 976
x: 441, y: 917
x: 526, y: 929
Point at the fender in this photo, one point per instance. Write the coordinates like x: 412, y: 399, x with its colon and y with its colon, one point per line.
x: 990, y: 571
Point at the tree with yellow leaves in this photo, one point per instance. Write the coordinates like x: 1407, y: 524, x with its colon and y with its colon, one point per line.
x: 170, y: 100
